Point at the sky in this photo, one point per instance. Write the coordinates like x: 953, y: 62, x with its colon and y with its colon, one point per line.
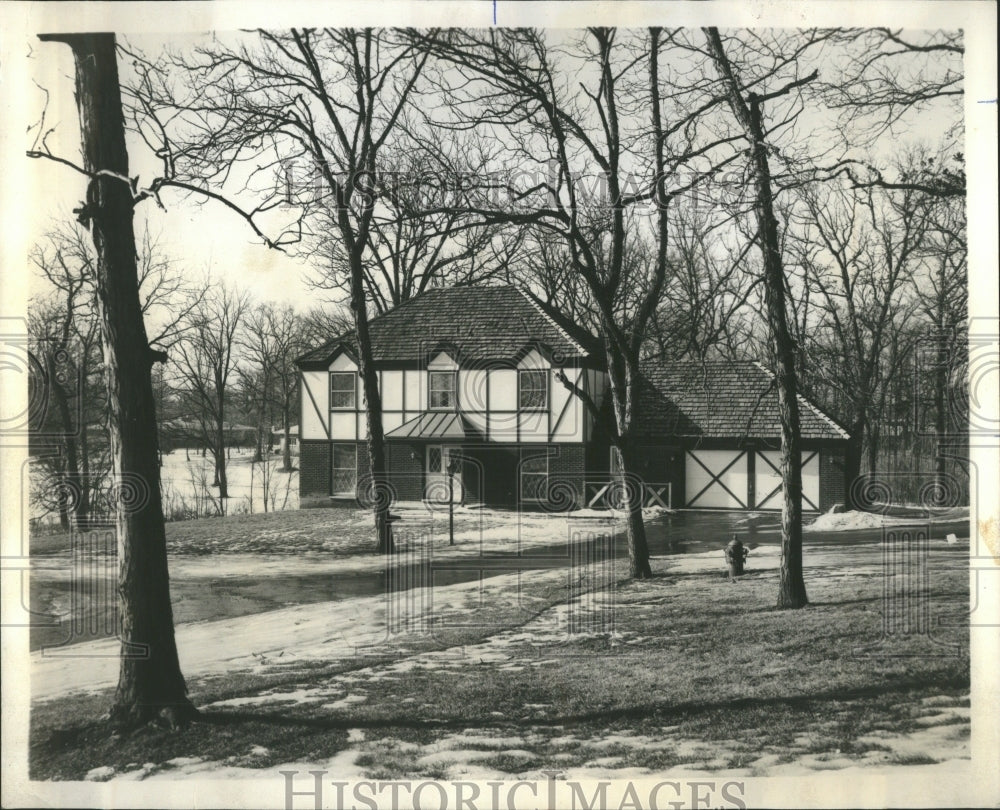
x: 202, y: 237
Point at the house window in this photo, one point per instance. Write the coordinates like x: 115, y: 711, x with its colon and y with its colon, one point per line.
x: 532, y: 389
x: 343, y: 390
x: 442, y: 390
x: 344, y: 479
x: 535, y: 477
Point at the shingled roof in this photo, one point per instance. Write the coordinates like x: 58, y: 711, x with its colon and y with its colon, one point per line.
x: 719, y: 399
x: 481, y: 323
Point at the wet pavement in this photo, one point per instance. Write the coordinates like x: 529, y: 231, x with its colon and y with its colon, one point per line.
x: 202, y: 599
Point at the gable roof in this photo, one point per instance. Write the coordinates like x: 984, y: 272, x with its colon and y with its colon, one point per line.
x: 719, y: 399
x: 479, y: 323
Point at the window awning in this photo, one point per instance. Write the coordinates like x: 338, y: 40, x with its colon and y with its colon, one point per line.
x: 431, y: 425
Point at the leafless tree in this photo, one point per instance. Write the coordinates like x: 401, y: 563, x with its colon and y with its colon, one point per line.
x: 272, y: 339
x: 741, y: 87
x: 319, y: 106
x: 601, y: 126
x: 150, y: 684
x: 205, y: 360
x: 858, y: 250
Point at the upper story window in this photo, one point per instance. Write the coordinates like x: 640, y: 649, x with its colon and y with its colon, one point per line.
x: 441, y: 390
x: 343, y: 390
x: 532, y: 389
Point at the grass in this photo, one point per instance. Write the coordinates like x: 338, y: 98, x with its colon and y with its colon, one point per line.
x: 700, y: 672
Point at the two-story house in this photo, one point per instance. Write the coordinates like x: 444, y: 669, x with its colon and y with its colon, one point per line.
x: 475, y: 408
x: 470, y: 380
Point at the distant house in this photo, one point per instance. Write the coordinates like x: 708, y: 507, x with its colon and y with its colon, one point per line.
x: 474, y: 407
x: 278, y: 439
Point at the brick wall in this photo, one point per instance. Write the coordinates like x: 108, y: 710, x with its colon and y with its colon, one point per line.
x: 567, y: 471
x: 406, y: 470
x: 314, y: 468
x: 832, y: 486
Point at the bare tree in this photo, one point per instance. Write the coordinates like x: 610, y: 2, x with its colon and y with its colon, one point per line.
x: 601, y: 127
x: 66, y: 334
x: 325, y: 101
x: 206, y: 361
x: 942, y: 290
x: 858, y: 249
x: 746, y: 106
x: 273, y: 338
x: 150, y: 683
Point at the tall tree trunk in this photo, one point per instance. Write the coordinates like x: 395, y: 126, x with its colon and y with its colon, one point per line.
x: 258, y: 450
x: 940, y: 411
x: 791, y: 588
x: 63, y: 498
x: 380, y: 492
x: 220, y: 465
x: 150, y: 683
x: 853, y: 453
x: 635, y: 527
x: 874, y: 440
x: 71, y: 482
x: 286, y: 451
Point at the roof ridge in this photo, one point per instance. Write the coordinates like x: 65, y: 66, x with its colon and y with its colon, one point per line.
x: 552, y: 321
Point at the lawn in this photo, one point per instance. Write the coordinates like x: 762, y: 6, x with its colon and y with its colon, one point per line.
x: 687, y: 672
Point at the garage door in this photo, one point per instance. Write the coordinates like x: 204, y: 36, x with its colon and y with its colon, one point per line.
x: 767, y: 480
x: 716, y: 478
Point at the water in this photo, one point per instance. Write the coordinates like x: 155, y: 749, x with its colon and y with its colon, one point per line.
x: 684, y: 532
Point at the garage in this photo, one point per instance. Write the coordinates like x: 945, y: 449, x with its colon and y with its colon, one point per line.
x: 725, y: 416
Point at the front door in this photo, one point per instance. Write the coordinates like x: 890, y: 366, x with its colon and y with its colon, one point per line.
x: 438, y: 483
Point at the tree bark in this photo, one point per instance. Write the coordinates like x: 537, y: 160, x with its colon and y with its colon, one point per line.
x: 791, y: 588
x: 150, y: 683
x: 286, y: 452
x: 635, y: 527
x: 380, y: 491
x: 852, y: 461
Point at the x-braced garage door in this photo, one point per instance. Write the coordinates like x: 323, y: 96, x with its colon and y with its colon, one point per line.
x: 767, y: 479
x: 735, y: 479
x: 716, y: 478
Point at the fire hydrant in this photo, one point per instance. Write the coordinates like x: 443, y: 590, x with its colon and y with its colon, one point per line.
x: 736, y: 556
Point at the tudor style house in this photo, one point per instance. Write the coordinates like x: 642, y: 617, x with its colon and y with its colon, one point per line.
x: 475, y: 407
x: 470, y: 381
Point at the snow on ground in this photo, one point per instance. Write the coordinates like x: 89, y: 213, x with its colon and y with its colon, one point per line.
x: 320, y: 631
x: 328, y: 630
x: 850, y: 521
x: 293, y: 636
x: 187, y: 477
